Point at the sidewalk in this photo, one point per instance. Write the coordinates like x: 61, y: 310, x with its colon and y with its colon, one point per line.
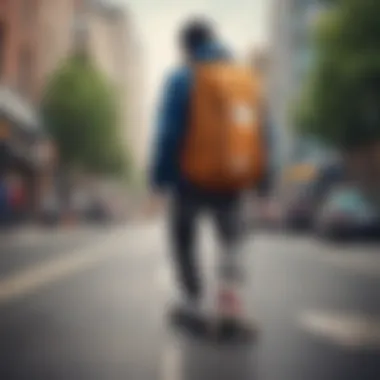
x: 35, y: 232
x: 12, y: 231
x: 68, y: 227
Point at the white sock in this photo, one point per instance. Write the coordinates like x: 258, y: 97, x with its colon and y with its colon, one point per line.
x: 232, y: 275
x: 232, y: 264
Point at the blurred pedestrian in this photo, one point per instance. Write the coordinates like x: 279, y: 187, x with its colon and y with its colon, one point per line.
x: 4, y: 203
x: 17, y: 198
x: 208, y: 151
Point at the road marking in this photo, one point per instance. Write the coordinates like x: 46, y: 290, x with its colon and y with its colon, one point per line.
x: 171, y: 367
x: 163, y: 278
x: 36, y: 277
x: 73, y: 262
x: 35, y: 236
x: 349, y: 330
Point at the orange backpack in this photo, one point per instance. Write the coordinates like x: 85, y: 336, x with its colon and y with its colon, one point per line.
x: 224, y: 147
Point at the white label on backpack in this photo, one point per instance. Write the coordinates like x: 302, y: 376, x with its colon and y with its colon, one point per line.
x: 243, y: 115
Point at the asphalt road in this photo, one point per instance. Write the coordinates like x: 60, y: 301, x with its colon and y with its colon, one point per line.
x: 92, y: 306
x: 24, y: 247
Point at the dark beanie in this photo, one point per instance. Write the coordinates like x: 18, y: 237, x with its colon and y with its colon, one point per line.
x: 195, y: 33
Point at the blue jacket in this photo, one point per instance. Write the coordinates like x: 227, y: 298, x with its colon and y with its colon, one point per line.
x: 173, y: 120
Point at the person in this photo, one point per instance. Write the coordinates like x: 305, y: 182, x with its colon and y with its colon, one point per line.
x: 50, y: 209
x: 4, y: 203
x: 17, y: 198
x: 170, y: 172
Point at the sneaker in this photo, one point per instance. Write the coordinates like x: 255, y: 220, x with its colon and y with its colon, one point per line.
x: 229, y: 304
x: 189, y: 317
x: 235, y: 331
x: 231, y: 324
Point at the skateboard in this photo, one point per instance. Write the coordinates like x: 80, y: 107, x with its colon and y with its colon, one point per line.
x: 216, y: 329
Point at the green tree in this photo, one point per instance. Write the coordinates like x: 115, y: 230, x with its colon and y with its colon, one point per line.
x: 341, y: 102
x: 80, y: 112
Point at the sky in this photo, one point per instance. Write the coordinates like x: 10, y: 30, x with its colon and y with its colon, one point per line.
x: 241, y: 23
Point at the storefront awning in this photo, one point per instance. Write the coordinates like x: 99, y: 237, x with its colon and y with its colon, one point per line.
x: 19, y: 110
x: 14, y: 159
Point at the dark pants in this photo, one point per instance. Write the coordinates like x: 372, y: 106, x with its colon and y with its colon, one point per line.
x: 184, y: 216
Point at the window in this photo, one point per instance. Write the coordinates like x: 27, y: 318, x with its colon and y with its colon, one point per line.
x: 25, y: 72
x: 28, y: 10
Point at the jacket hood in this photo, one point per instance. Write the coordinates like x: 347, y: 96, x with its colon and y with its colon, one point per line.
x: 211, y: 52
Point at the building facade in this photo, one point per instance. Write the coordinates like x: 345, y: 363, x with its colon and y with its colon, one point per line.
x: 138, y: 131
x: 21, y: 132
x: 292, y: 52
x: 113, y: 44
x: 18, y: 32
x: 36, y: 36
x: 55, y: 33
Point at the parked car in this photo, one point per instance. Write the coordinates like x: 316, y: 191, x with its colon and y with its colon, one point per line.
x: 298, y: 207
x: 260, y: 212
x: 270, y: 213
x: 347, y: 213
x: 51, y: 211
x: 305, y: 198
x: 97, y: 211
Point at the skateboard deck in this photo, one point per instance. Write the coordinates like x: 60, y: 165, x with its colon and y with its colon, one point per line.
x: 213, y: 329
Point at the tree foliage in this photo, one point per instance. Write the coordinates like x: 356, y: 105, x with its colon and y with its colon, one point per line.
x: 341, y: 102
x: 81, y: 113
